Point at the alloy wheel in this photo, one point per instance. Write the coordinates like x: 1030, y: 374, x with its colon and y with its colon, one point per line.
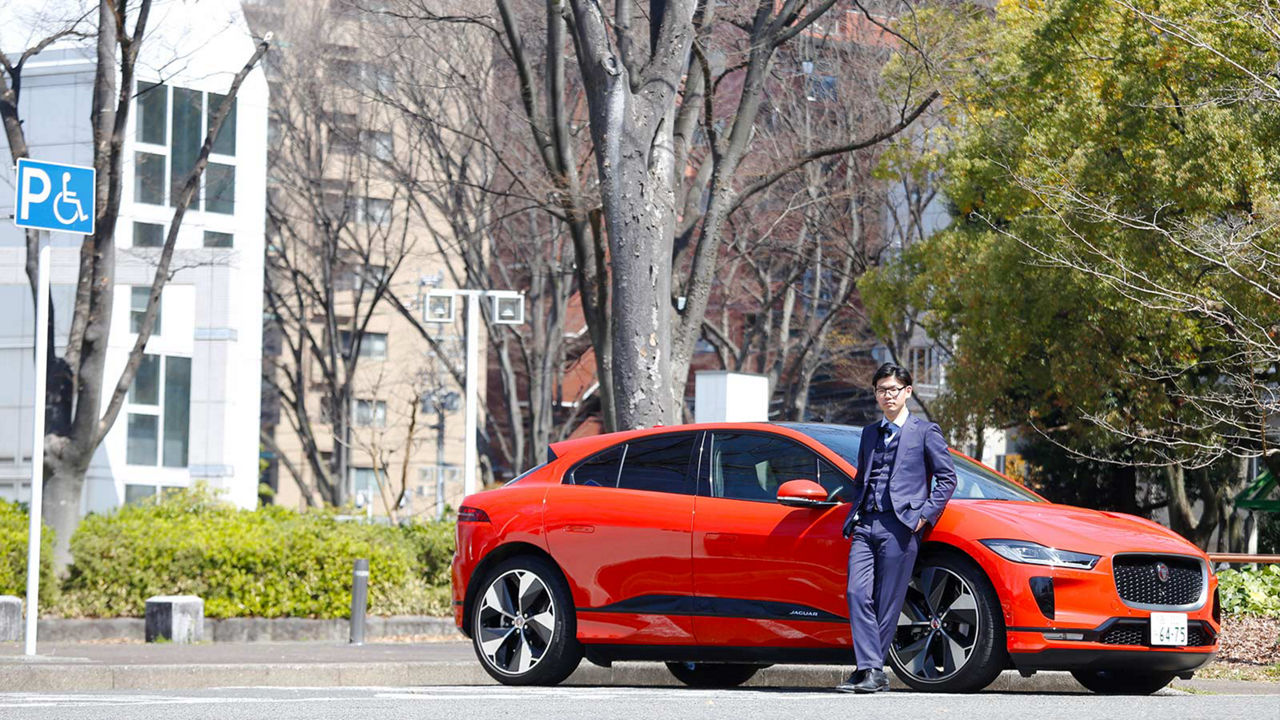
x: 938, y: 627
x: 515, y: 622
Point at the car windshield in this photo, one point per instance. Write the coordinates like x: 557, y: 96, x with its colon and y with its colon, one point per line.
x: 973, y: 480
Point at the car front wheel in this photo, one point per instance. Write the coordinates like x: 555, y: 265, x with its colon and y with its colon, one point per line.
x: 1122, y: 682
x: 950, y: 635
x: 523, y: 626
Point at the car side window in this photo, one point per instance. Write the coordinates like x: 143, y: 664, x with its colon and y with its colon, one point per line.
x: 659, y: 464
x: 749, y: 466
x: 600, y: 470
x: 831, y: 479
x: 655, y: 464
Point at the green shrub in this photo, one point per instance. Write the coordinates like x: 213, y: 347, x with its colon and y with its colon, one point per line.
x: 1250, y: 592
x: 13, y: 554
x: 269, y: 562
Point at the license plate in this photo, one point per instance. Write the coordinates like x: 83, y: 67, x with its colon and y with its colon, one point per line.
x: 1168, y: 628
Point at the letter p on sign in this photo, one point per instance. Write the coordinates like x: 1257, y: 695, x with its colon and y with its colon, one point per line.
x: 52, y: 196
x: 29, y: 194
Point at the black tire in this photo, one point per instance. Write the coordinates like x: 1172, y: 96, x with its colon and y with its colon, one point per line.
x: 712, y: 675
x: 527, y: 638
x: 1122, y: 682
x: 959, y: 646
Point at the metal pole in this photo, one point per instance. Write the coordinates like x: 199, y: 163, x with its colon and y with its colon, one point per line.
x: 37, y: 450
x: 359, y: 600
x: 473, y: 351
x: 439, y: 454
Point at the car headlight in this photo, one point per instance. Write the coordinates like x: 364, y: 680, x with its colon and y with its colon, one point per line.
x: 1022, y: 551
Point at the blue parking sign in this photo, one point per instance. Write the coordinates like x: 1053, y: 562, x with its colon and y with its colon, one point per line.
x: 53, y: 196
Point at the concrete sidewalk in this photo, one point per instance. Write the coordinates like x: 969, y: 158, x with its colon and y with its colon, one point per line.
x: 136, y: 666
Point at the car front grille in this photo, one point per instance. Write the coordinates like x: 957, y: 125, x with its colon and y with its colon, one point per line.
x: 1138, y: 580
x: 1137, y: 632
x: 1125, y: 635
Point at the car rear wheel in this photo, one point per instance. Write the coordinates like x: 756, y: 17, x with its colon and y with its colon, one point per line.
x: 950, y: 635
x: 1122, y: 682
x: 523, y: 627
x: 712, y: 675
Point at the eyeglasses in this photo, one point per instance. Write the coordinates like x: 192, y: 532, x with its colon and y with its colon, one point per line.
x: 890, y: 392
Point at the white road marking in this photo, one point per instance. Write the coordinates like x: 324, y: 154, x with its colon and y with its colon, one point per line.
x: 358, y: 694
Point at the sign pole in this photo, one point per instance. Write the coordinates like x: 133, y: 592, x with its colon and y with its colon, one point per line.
x: 37, y: 449
x: 473, y: 352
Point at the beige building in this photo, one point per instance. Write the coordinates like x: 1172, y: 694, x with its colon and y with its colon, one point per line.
x: 358, y: 408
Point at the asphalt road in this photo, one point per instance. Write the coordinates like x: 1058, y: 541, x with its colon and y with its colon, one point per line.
x: 616, y: 703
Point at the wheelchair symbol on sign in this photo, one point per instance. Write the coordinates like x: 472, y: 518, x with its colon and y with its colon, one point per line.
x: 69, y: 198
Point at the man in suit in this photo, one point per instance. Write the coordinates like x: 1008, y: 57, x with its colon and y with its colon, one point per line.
x: 892, y: 503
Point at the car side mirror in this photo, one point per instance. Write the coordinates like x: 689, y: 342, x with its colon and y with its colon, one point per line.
x: 803, y: 493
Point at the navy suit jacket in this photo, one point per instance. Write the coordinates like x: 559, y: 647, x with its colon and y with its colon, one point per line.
x: 922, y: 455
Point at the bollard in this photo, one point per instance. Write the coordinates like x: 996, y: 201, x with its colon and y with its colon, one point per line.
x: 359, y: 599
x: 10, y: 618
x: 174, y: 618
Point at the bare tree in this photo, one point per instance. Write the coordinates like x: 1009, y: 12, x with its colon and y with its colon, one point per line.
x: 339, y: 235
x: 795, y: 251
x: 482, y: 196
x: 79, y: 419
x: 671, y: 121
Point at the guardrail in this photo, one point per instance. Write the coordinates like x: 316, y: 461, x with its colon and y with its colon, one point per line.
x: 1243, y: 558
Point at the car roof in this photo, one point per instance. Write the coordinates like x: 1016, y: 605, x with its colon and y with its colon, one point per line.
x: 590, y: 443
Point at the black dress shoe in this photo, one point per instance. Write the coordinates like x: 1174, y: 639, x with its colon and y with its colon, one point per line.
x: 870, y: 681
x: 851, y: 685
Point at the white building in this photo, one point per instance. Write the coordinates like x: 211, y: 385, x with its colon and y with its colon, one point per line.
x: 192, y: 413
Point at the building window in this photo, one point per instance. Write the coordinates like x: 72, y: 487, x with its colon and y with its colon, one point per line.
x: 378, y: 144
x: 214, y: 239
x: 220, y: 188
x: 187, y: 118
x: 225, y: 142
x: 160, y: 412
x: 371, y: 413
x: 146, y: 383
x: 148, y: 179
x: 372, y: 345
x: 923, y: 364
x: 377, y: 211
x: 134, y: 494
x: 822, y: 88
x: 177, y: 411
x: 141, y: 448
x: 188, y: 135
x: 148, y: 235
x: 365, y: 482
x: 153, y: 106
x: 138, y: 308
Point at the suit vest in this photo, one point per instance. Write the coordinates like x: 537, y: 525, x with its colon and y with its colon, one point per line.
x: 876, y: 495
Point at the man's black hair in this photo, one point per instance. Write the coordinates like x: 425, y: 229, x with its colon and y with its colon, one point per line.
x: 893, y: 370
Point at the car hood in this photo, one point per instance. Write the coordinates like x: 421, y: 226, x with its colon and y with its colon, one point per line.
x: 1071, y: 528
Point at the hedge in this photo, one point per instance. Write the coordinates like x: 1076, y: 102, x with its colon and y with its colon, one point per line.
x: 270, y: 562
x: 13, y: 554
x: 1250, y: 592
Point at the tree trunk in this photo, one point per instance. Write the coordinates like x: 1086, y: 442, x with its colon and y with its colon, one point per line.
x: 1181, y: 517
x: 635, y: 155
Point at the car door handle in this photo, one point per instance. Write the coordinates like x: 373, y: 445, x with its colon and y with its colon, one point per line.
x: 584, y: 529
x: 722, y: 537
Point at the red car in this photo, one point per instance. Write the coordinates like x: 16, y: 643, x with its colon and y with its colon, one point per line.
x: 717, y: 549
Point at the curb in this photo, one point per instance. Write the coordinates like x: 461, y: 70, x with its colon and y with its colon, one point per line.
x: 64, y: 676
x: 243, y: 630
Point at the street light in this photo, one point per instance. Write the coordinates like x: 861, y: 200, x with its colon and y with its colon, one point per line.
x: 508, y: 309
x: 439, y: 307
